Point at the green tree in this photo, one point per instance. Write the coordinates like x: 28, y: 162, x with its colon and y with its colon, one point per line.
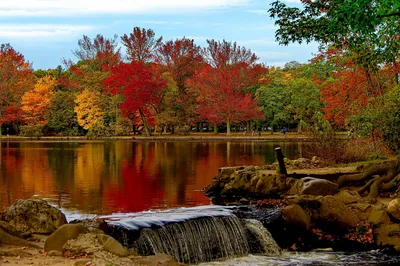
x: 61, y: 115
x: 364, y: 27
x: 274, y: 97
x: 305, y: 101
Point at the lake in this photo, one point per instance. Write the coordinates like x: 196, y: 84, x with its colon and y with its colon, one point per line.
x: 104, y: 177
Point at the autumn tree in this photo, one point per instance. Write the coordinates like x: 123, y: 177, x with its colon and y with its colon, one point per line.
x: 141, y: 45
x: 35, y: 103
x: 16, y: 77
x: 96, y: 59
x: 222, y: 54
x: 181, y: 58
x: 140, y: 87
x: 222, y: 97
x: 89, y: 109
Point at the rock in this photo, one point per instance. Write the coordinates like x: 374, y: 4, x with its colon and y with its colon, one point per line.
x: 93, y: 225
x: 66, y: 232
x: 362, y: 210
x: 244, y: 201
x: 297, y: 217
x: 316, y: 186
x: 33, y: 216
x: 225, y: 173
x: 393, y: 208
x: 333, y: 210
x: 9, y: 229
x: 388, y: 235
x: 260, y: 239
x: 54, y: 253
x: 85, y: 244
x: 83, y: 262
x: 378, y: 215
x: 6, y: 238
x: 348, y: 196
x: 113, y: 246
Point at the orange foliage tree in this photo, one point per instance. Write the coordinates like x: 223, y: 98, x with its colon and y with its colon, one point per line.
x: 35, y: 103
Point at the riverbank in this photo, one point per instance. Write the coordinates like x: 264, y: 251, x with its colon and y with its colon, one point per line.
x: 267, y: 136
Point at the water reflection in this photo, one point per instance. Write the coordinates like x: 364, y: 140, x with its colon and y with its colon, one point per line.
x: 122, y: 176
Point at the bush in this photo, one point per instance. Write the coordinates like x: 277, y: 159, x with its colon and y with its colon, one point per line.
x: 99, y: 130
x: 335, y: 150
x: 182, y: 130
x: 33, y: 131
x: 122, y: 127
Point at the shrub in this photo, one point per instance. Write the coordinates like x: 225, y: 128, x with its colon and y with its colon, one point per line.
x: 98, y: 130
x: 32, y: 131
x: 122, y: 127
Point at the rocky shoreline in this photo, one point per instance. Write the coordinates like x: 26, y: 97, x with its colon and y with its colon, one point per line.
x: 315, y: 212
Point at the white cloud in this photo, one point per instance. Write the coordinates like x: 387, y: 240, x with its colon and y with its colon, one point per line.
x: 53, y: 8
x: 48, y: 31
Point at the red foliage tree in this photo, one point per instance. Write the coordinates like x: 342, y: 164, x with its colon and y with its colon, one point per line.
x: 140, y: 86
x: 222, y: 54
x: 141, y: 45
x: 181, y: 58
x: 16, y: 77
x: 221, y: 94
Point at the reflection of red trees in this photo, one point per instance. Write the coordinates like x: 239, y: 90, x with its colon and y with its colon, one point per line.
x: 141, y: 187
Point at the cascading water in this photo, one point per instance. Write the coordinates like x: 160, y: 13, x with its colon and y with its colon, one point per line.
x: 193, y: 235
x: 195, y: 241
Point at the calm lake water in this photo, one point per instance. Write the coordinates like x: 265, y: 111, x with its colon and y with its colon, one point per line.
x: 104, y: 177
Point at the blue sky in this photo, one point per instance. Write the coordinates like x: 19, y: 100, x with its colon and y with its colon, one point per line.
x: 46, y: 31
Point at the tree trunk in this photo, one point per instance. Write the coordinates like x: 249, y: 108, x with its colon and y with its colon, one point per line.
x: 144, y: 120
x: 215, y: 129
x: 200, y: 127
x: 228, y: 127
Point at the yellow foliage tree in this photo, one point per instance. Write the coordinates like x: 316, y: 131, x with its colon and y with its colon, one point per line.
x: 35, y: 103
x: 88, y: 108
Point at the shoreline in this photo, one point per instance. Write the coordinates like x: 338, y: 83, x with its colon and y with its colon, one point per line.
x: 192, y: 137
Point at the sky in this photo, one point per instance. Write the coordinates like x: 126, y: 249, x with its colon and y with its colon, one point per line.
x: 45, y: 31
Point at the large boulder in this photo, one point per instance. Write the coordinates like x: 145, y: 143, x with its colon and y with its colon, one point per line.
x: 333, y: 210
x: 317, y: 186
x: 388, y: 235
x: 393, y: 208
x: 56, y: 240
x: 348, y: 196
x: 33, y: 216
x: 113, y: 246
x: 295, y: 215
x: 93, y: 225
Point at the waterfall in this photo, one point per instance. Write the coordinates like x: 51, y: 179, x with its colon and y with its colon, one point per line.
x: 260, y: 239
x: 195, y: 235
x: 195, y: 241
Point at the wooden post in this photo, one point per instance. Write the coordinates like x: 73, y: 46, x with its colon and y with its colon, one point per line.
x: 279, y: 157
